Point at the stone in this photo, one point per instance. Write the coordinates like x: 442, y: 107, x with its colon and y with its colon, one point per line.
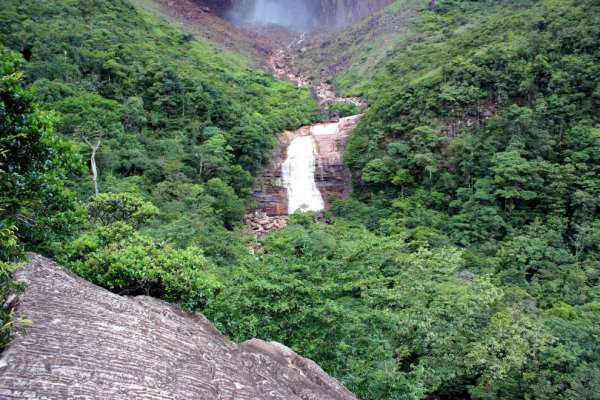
x: 88, y: 343
x: 261, y: 223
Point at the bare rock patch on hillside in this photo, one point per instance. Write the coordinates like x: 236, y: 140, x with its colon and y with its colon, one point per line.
x: 88, y: 343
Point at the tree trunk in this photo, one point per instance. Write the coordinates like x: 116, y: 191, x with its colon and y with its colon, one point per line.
x: 93, y: 166
x: 94, y: 170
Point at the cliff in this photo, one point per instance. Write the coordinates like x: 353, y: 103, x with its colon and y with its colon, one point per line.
x: 88, y: 343
x: 339, y: 13
x: 303, y: 14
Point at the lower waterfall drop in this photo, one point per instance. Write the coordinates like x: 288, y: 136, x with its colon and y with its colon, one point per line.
x: 298, y: 172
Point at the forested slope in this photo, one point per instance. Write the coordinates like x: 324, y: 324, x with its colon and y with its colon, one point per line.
x: 485, y: 135
x: 488, y: 130
x: 178, y: 120
x: 476, y: 173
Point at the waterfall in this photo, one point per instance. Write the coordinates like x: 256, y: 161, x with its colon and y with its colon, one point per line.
x: 299, y: 176
x: 294, y: 14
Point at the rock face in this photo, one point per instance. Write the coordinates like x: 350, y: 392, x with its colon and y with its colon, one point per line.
x: 87, y: 343
x: 339, y: 13
x: 332, y: 176
x: 305, y: 15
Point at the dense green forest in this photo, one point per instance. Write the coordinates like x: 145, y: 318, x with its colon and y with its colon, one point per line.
x: 465, y: 266
x: 178, y: 121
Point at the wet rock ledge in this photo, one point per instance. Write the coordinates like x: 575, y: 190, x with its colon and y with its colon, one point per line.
x: 88, y: 343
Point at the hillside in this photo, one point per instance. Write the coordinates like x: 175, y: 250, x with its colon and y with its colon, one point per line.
x: 169, y: 110
x: 464, y: 264
x: 352, y: 57
x: 203, y: 18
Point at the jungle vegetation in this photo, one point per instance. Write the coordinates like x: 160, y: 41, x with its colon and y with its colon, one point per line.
x: 465, y: 266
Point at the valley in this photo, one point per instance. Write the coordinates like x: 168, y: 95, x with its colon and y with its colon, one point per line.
x: 328, y: 199
x: 277, y: 48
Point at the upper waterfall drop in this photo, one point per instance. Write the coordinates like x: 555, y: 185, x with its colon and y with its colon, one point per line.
x: 298, y: 15
x: 298, y: 173
x: 290, y: 13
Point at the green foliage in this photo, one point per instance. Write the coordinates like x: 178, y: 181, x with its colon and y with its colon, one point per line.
x: 123, y: 260
x: 162, y: 105
x: 90, y: 112
x: 485, y: 135
x: 342, y: 109
x: 9, y: 324
x: 35, y: 203
x: 497, y: 126
x: 466, y: 266
x: 226, y: 203
x: 391, y: 322
x: 376, y: 171
x: 108, y: 208
x: 9, y: 248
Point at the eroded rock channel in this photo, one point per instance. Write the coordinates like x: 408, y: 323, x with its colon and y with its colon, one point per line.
x: 307, y: 166
x: 329, y: 141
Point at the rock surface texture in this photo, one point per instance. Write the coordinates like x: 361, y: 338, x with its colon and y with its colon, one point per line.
x: 88, y: 343
x: 339, y: 13
x: 333, y: 176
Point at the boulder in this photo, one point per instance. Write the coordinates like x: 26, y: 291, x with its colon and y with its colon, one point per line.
x: 85, y: 342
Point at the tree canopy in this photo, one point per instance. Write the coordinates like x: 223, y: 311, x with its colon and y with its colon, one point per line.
x: 466, y: 264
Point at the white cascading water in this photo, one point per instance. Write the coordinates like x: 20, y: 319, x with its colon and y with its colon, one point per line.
x: 294, y: 14
x: 299, y: 176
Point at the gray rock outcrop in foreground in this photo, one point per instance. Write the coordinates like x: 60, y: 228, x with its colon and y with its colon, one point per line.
x: 88, y: 343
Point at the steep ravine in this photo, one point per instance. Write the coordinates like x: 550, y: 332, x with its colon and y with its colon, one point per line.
x: 281, y: 61
x: 278, y: 47
x: 311, y: 153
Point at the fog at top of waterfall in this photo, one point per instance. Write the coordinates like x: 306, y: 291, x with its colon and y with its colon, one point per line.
x: 293, y: 14
x: 325, y: 129
x: 298, y: 172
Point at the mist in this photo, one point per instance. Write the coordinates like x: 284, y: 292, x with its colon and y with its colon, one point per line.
x: 293, y: 14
